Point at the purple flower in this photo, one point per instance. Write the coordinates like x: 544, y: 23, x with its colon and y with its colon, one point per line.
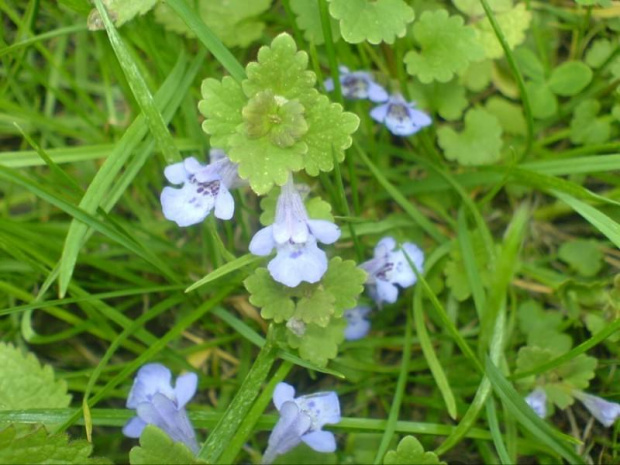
x: 390, y: 267
x: 294, y: 237
x: 358, y: 85
x: 400, y: 117
x: 157, y: 403
x: 604, y: 411
x: 537, y: 400
x: 203, y: 188
x: 357, y: 324
x: 301, y: 420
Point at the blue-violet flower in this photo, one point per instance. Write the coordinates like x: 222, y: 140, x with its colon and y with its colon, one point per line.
x: 203, y: 188
x: 390, y: 267
x: 301, y: 419
x: 537, y: 400
x: 157, y: 403
x: 294, y: 237
x: 604, y: 411
x: 358, y: 85
x: 400, y: 117
x: 357, y: 324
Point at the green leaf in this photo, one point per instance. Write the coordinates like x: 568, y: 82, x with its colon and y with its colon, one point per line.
x: 585, y: 127
x: 26, y: 384
x: 410, y: 451
x: 221, y: 106
x: 373, y: 21
x: 513, y: 23
x: 529, y: 64
x: 38, y: 447
x: 570, y: 78
x: 120, y: 11
x: 157, y: 447
x: 599, y: 52
x: 477, y: 76
x: 234, y: 22
x: 509, y: 115
x: 474, y: 8
x: 345, y: 281
x: 455, y: 272
x: 318, y: 345
x: 308, y: 20
x: 447, y: 99
x: 274, y: 299
x: 479, y: 143
x: 603, y: 3
x: 584, y: 256
x: 533, y: 318
x: 544, y: 102
x: 447, y: 47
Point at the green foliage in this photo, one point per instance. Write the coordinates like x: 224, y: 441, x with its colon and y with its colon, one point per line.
x: 319, y: 344
x: 585, y: 127
x: 120, y: 11
x: 309, y: 303
x: 570, y: 78
x: 584, y: 256
x: 373, y: 21
x: 456, y: 276
x: 447, y: 99
x: 513, y: 24
x: 438, y: 61
x: 532, y: 318
x: 509, y: 115
x: 544, y: 102
x: 308, y: 19
x: 275, y: 122
x: 39, y: 447
x: 603, y: 3
x: 474, y: 8
x: 26, y: 384
x: 410, y: 451
x: 478, y: 144
x: 599, y: 52
x: 234, y: 22
x: 157, y: 447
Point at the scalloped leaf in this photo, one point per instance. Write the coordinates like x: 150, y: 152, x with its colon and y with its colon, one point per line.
x: 120, y: 11
x: 410, y: 451
x: 584, y: 256
x: 474, y: 8
x: 308, y: 19
x: 318, y: 345
x: 478, y: 144
x: 509, y: 115
x: 513, y: 23
x: 372, y: 21
x: 157, y: 447
x: 544, y: 102
x: 234, y: 22
x: 221, y: 105
x: 447, y: 47
x: 39, y: 447
x: 26, y: 384
x: 447, y: 99
x: 345, y: 281
x: 274, y: 299
x: 586, y: 128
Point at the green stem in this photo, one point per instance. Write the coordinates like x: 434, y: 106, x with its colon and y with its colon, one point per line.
x: 229, y: 423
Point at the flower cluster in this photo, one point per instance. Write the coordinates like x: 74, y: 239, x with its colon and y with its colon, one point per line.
x: 604, y: 411
x: 295, y: 237
x: 401, y: 118
x: 157, y: 403
x: 301, y: 420
x: 203, y: 189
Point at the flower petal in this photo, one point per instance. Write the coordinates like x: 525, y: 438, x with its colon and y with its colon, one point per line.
x: 604, y: 411
x: 320, y: 441
x: 134, y: 427
x: 150, y: 379
x: 329, y: 85
x: 262, y: 243
x: 192, y: 166
x: 185, y: 206
x: 176, y: 173
x: 283, y: 392
x: 324, y: 231
x: 185, y: 388
x: 380, y: 113
x: 537, y: 400
x: 224, y: 204
x: 322, y: 407
x: 288, y: 431
x: 294, y: 264
x: 357, y: 326
x: 376, y: 93
x: 384, y: 247
x: 386, y: 292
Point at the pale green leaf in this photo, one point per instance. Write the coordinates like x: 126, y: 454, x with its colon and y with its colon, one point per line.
x: 513, y: 24
x: 273, y: 298
x: 221, y: 105
x: 474, y: 8
x: 37, y: 447
x: 584, y: 256
x: 585, y: 127
x: 456, y: 273
x: 234, y: 22
x: 410, y: 451
x: 599, y: 52
x: 156, y: 447
x: 447, y: 47
x: 529, y: 64
x: 509, y: 115
x: 603, y: 3
x: 533, y: 318
x: 447, y: 99
x: 373, y: 21
x: 477, y: 76
x: 544, y: 102
x: 26, y: 384
x: 570, y: 78
x: 318, y: 345
x: 120, y: 11
x: 345, y: 281
x: 308, y: 20
x: 479, y: 143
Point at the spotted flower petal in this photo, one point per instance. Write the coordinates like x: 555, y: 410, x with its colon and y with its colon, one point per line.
x: 604, y: 411
x: 537, y: 400
x: 357, y: 324
x: 358, y: 85
x: 400, y: 117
